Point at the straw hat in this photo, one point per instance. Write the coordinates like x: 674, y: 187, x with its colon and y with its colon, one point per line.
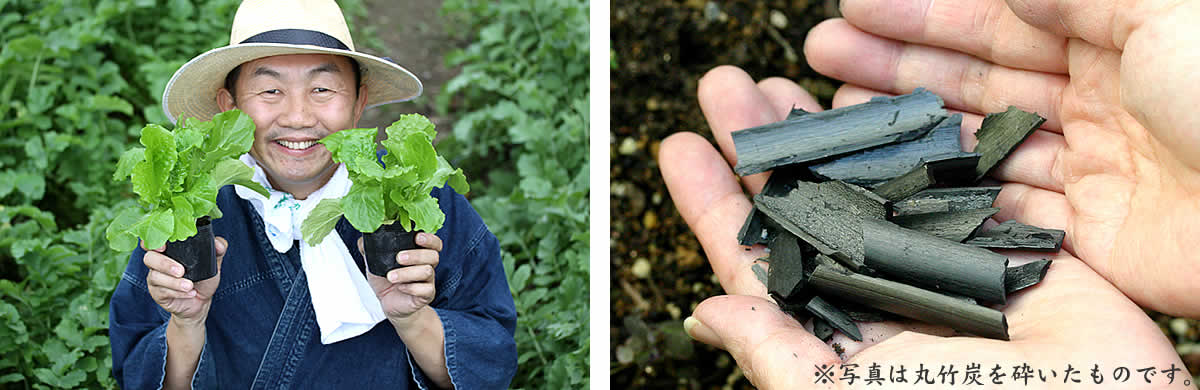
x: 264, y: 28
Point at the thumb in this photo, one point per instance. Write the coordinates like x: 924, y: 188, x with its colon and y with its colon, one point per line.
x: 768, y: 344
x: 221, y: 245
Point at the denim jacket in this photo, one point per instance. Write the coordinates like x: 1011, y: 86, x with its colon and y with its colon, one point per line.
x: 262, y: 332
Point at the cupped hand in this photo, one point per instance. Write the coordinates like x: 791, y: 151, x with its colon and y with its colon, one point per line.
x: 1074, y: 318
x: 186, y: 300
x: 1117, y: 163
x: 410, y: 288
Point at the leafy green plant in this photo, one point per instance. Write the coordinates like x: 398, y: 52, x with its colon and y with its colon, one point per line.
x: 521, y: 102
x: 396, y: 192
x: 177, y: 174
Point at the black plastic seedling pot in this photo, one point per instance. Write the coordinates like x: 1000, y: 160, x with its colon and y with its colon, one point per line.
x: 197, y: 253
x: 382, y: 246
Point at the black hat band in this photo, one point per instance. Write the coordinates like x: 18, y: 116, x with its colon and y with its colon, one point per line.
x: 293, y: 36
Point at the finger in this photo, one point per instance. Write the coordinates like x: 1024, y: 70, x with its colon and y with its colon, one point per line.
x: 1034, y: 162
x: 731, y: 101
x: 1106, y: 24
x: 431, y: 241
x: 707, y: 195
x: 986, y: 29
x: 221, y: 246
x: 164, y: 282
x: 767, y: 343
x: 142, y: 244
x: 417, y: 257
x: 785, y: 95
x: 159, y: 262
x: 424, y: 291
x: 416, y: 273
x: 839, y: 50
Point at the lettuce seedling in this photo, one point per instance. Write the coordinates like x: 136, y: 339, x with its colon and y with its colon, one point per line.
x: 176, y: 175
x: 398, y: 191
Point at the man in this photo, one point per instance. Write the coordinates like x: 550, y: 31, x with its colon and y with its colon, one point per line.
x: 273, y: 317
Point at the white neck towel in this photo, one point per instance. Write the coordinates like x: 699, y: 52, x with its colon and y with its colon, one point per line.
x: 345, y: 304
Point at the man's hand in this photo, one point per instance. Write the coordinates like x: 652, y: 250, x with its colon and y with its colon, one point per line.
x: 187, y: 301
x: 410, y: 288
x: 1067, y: 319
x: 405, y: 295
x: 1117, y: 163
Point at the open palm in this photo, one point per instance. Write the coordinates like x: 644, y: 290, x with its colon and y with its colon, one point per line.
x: 1117, y: 164
x: 1094, y: 170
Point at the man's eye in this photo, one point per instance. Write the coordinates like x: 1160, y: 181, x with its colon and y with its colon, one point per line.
x: 271, y: 92
x: 320, y: 90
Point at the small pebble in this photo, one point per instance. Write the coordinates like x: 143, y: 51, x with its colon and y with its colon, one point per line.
x: 1179, y: 326
x: 649, y: 220
x: 641, y: 268
x: 652, y: 104
x: 628, y: 146
x: 778, y: 19
x: 656, y: 198
x: 674, y: 311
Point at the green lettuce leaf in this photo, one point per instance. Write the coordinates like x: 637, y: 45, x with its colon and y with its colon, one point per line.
x: 128, y: 160
x: 323, y: 218
x: 232, y: 171
x: 156, y: 228
x: 185, y: 219
x: 363, y: 206
x: 118, y: 233
x: 150, y: 176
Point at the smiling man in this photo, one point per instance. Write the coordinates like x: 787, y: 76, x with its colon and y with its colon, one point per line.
x: 281, y: 313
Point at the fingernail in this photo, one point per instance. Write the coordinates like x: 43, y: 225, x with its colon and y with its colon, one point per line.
x: 421, y: 239
x: 185, y: 285
x: 392, y: 277
x: 192, y: 293
x: 700, y: 332
x: 401, y: 258
x: 177, y: 271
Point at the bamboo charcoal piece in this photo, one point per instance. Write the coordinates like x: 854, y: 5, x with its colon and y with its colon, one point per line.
x: 822, y: 329
x: 1015, y: 235
x: 796, y: 112
x: 836, y: 318
x: 833, y: 233
x: 955, y: 226
x: 874, y: 166
x: 754, y: 230
x: 1022, y: 276
x: 924, y: 260
x: 819, y: 135
x: 759, y: 273
x: 824, y: 215
x: 947, y: 199
x: 911, y: 302
x: 943, y: 168
x: 1000, y: 134
x: 785, y: 277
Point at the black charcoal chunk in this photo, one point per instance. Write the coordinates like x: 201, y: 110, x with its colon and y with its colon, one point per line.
x: 955, y: 226
x: 785, y: 277
x: 1015, y: 235
x: 874, y: 166
x: 911, y: 302
x: 924, y: 260
x: 825, y: 216
x: 836, y: 318
x: 815, y: 136
x: 935, y: 200
x: 949, y: 168
x: 822, y: 330
x: 1022, y: 276
x: 754, y: 230
x: 1000, y: 134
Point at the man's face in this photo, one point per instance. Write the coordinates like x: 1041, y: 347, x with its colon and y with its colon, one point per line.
x: 296, y: 100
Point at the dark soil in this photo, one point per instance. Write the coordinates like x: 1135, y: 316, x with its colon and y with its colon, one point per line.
x: 661, y: 49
